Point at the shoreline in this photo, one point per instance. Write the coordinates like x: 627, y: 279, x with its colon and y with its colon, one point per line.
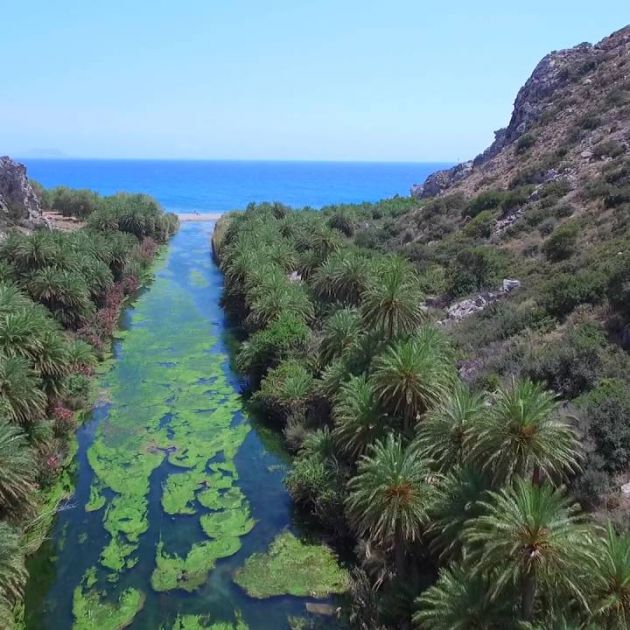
x: 192, y: 217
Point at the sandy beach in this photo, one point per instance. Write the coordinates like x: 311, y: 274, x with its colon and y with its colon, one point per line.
x: 192, y: 216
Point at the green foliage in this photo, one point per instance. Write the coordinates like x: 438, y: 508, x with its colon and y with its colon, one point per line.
x: 359, y: 420
x: 460, y: 599
x: 522, y: 434
x: 413, y: 374
x: 286, y: 389
x: 474, y: 269
x: 563, y: 292
x: 442, y: 433
x: 561, y: 243
x: 390, y: 496
x: 391, y: 302
x: 542, y: 520
x: 605, y: 410
x: 71, y: 202
x: 285, y: 336
x: 17, y: 468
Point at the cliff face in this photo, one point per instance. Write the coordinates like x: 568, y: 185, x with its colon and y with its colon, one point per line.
x: 565, y: 86
x: 19, y: 203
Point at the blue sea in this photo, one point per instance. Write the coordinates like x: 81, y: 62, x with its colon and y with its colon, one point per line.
x: 219, y: 186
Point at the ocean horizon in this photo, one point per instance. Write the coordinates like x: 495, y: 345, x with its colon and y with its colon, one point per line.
x: 215, y: 186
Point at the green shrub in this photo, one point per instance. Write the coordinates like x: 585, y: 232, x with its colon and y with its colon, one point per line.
x: 547, y: 226
x: 286, y: 389
x: 571, y: 364
x: 285, y: 336
x: 73, y: 203
x: 590, y: 121
x: 488, y: 200
x: 606, y: 410
x: 564, y: 291
x: 475, y: 269
x: 481, y: 226
x: 608, y: 148
x: 561, y: 243
x: 525, y: 142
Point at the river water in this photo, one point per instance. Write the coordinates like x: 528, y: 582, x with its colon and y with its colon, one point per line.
x: 175, y: 487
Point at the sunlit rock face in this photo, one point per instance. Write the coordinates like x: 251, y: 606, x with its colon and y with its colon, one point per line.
x: 19, y: 203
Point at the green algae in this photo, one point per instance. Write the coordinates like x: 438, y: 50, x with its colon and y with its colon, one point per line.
x: 169, y: 403
x: 197, y: 279
x: 190, y: 572
x: 91, y: 611
x: 235, y: 522
x: 97, y: 500
x: 200, y: 622
x: 292, y: 567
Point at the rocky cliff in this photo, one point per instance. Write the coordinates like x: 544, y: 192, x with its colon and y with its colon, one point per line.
x: 565, y: 88
x: 19, y: 203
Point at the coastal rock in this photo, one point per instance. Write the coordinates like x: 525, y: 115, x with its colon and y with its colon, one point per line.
x: 19, y: 204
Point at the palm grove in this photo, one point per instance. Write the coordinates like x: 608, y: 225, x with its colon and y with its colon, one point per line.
x: 60, y: 298
x: 454, y: 498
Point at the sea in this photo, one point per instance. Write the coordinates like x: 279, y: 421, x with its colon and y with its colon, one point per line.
x: 220, y: 186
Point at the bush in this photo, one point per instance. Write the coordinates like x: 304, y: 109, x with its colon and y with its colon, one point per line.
x: 481, y: 226
x: 488, y: 200
x: 608, y: 148
x: 590, y: 121
x: 73, y: 203
x: 561, y: 244
x: 342, y: 223
x: 606, y: 410
x: 286, y: 335
x: 570, y: 365
x: 525, y: 142
x: 475, y: 269
x: 547, y: 226
x: 564, y: 291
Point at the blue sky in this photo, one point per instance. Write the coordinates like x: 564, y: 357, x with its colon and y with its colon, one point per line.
x: 402, y: 80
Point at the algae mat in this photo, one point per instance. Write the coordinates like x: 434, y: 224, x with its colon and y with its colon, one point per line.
x: 174, y: 489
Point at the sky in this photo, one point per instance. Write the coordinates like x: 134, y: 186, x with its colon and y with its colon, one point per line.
x: 401, y: 80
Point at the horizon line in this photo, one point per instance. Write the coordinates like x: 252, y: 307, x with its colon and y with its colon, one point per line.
x: 236, y: 160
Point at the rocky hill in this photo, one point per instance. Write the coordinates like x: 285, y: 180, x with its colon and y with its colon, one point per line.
x: 524, y: 252
x: 566, y: 120
x: 19, y: 202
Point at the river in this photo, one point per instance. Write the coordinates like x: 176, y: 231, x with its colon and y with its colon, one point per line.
x: 175, y: 486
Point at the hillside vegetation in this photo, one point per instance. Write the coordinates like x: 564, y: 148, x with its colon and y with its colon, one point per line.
x: 451, y: 369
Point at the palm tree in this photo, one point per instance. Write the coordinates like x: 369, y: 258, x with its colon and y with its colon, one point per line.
x: 530, y: 536
x: 342, y: 277
x: 359, y: 421
x: 340, y: 332
x: 522, y: 434
x: 17, y: 467
x: 80, y: 355
x: 392, y: 302
x: 389, y: 498
x: 275, y: 298
x: 12, y: 571
x: 609, y: 582
x: 413, y: 375
x: 21, y: 398
x: 457, y: 499
x: 64, y: 293
x: 319, y: 444
x: 30, y: 252
x: 443, y: 432
x: 460, y: 600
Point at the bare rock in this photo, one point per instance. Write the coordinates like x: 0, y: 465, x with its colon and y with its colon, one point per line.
x: 509, y: 284
x: 19, y: 204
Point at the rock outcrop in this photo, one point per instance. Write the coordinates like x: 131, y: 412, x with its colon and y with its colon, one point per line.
x: 19, y: 203
x: 553, y: 80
